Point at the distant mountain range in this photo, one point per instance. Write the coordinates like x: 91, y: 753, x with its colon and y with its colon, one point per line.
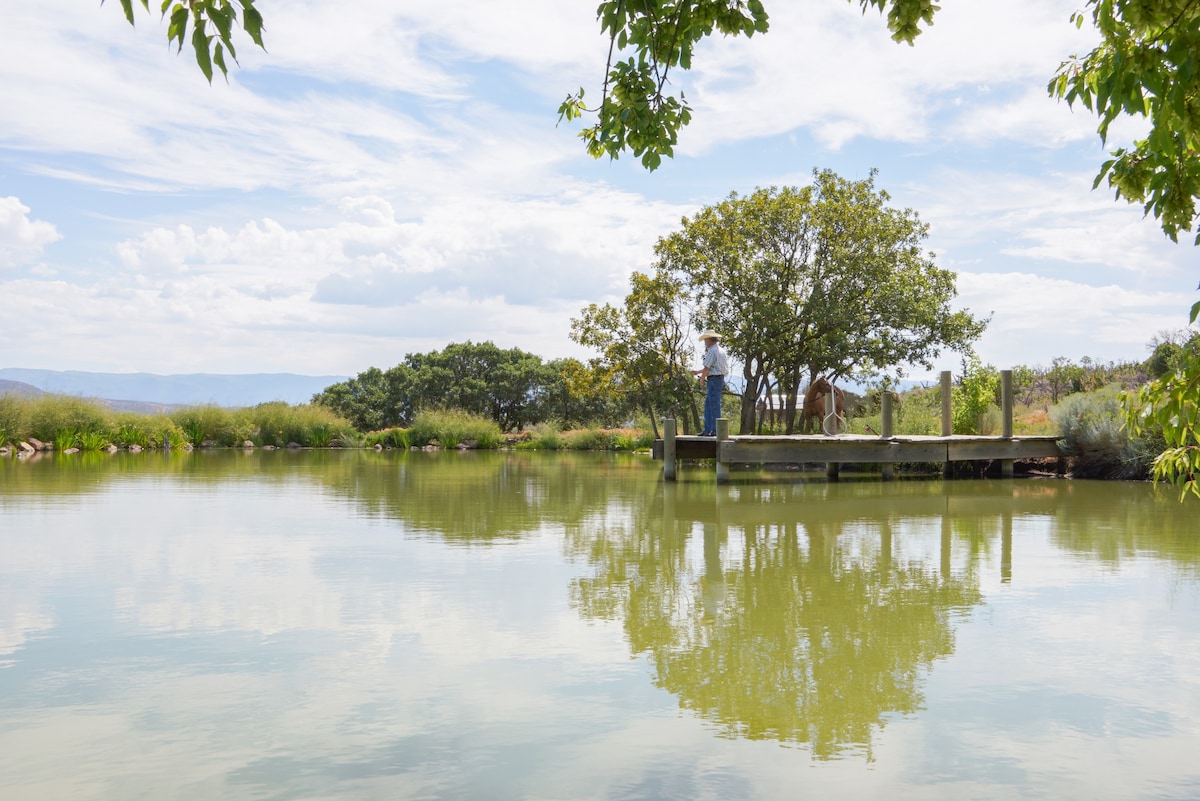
x: 149, y: 392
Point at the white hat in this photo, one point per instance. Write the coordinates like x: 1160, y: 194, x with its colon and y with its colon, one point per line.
x: 709, y: 334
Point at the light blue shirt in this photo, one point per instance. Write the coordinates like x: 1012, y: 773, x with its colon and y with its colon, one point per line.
x: 716, y: 361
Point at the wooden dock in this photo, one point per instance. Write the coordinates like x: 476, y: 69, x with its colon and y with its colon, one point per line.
x: 833, y: 450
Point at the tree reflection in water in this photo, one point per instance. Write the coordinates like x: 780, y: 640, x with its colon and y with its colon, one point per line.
x: 785, y: 628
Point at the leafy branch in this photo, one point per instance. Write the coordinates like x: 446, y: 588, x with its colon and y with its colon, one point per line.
x: 203, y: 16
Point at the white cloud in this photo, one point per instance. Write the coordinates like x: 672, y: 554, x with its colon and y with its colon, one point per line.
x: 1035, y: 319
x: 21, y: 238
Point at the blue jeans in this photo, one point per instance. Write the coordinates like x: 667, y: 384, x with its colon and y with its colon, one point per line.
x: 712, y: 404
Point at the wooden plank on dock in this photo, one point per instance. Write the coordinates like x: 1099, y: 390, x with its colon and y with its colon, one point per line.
x: 1002, y: 449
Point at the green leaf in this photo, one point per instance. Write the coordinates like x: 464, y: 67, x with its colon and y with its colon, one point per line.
x: 252, y: 22
x: 178, y: 26
x: 219, y: 60
x: 200, y: 45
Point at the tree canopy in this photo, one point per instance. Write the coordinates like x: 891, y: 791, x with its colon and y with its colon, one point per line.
x: 511, y: 387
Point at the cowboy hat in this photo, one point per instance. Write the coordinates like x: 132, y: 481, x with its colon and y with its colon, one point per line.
x: 709, y: 334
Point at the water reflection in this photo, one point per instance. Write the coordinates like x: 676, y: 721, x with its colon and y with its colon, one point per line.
x: 411, y: 625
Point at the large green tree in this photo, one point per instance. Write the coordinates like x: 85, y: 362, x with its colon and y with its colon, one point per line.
x: 510, y: 386
x: 826, y: 278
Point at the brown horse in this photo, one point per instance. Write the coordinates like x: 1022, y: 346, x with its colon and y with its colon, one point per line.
x: 815, y: 407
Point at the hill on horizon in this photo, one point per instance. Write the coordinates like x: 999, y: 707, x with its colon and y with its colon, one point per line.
x: 192, y: 389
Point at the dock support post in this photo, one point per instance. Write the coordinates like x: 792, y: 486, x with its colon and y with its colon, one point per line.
x: 670, y: 463
x: 722, y: 435
x: 831, y: 470
x: 947, y: 419
x: 1006, y: 409
x: 886, y: 433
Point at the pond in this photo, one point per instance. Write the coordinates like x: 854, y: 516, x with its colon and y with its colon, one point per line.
x: 361, y: 625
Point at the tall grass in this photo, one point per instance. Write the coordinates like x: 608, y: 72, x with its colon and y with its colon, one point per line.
x: 547, y: 437
x: 49, y: 415
x: 13, y: 418
x: 450, y: 428
x: 277, y: 423
x: 68, y: 421
x: 387, y: 438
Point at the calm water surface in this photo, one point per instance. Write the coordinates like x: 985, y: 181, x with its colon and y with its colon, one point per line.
x: 326, y: 625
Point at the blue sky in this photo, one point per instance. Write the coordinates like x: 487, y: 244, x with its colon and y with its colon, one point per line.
x: 390, y: 178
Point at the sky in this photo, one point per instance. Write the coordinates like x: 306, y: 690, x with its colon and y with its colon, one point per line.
x: 390, y: 177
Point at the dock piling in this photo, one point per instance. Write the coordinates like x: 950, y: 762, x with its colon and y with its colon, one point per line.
x: 1006, y: 408
x: 722, y: 436
x: 886, y: 433
x: 669, y: 460
x: 947, y: 418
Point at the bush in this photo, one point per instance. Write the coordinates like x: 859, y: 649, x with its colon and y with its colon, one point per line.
x: 1094, y: 436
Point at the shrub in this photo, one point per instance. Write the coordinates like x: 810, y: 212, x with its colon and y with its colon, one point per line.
x: 1092, y: 427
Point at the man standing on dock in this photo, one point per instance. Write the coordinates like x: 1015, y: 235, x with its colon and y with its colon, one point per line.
x: 712, y: 374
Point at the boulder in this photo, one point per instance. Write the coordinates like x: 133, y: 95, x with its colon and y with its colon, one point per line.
x: 135, y: 448
x: 247, y: 444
